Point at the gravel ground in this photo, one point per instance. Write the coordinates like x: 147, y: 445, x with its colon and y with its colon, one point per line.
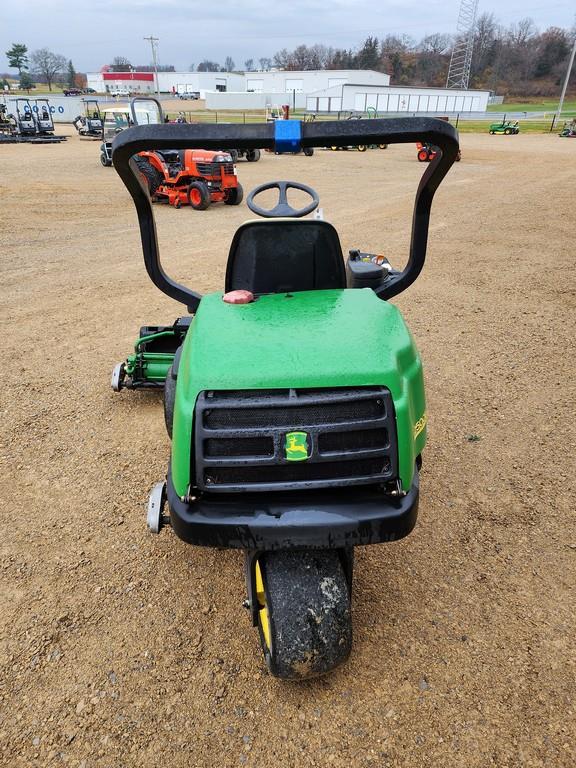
x: 120, y: 649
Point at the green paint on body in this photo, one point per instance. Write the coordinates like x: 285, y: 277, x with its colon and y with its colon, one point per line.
x: 312, y: 339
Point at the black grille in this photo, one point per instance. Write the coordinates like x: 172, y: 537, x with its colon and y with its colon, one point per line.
x: 241, y: 439
x: 292, y: 417
x: 331, y: 442
x: 215, y: 169
x: 239, y: 446
x: 301, y: 472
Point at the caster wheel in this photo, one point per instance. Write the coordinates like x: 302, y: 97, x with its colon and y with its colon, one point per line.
x: 155, y: 519
x: 304, y: 615
x: 118, y: 377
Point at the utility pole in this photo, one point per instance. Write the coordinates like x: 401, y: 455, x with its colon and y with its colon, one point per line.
x: 154, y: 45
x: 565, y: 86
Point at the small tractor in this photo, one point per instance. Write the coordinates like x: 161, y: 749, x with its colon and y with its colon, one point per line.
x: 426, y: 153
x: 89, y: 125
x: 506, y: 127
x: 195, y: 177
x: 294, y: 396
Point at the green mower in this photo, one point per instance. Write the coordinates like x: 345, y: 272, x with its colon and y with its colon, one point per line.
x: 294, y: 398
x: 506, y: 127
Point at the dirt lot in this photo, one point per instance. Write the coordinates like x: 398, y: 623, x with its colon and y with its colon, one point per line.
x: 120, y: 649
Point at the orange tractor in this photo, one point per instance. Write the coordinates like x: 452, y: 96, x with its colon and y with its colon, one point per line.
x: 427, y: 152
x: 195, y: 177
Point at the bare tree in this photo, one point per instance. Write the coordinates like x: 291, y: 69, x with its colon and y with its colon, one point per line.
x: 208, y: 66
x: 48, y: 65
x: 229, y: 64
x: 436, y: 43
x: 120, y: 64
x: 265, y: 64
x: 249, y: 65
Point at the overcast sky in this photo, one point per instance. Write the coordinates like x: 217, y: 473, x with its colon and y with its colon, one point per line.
x: 92, y: 32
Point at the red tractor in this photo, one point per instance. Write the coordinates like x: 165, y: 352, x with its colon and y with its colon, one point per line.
x: 195, y: 177
x: 426, y: 153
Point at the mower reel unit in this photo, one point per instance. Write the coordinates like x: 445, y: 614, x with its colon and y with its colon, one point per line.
x: 295, y: 437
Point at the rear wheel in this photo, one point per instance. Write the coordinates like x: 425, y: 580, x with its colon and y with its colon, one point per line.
x: 361, y: 147
x: 304, y: 614
x: 233, y: 154
x: 152, y: 175
x: 382, y: 146
x: 507, y: 131
x: 308, y: 151
x: 104, y: 160
x: 199, y: 196
x: 234, y: 196
x: 491, y: 133
x: 253, y: 155
x: 423, y: 155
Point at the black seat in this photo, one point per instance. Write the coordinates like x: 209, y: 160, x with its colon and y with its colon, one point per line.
x: 285, y: 256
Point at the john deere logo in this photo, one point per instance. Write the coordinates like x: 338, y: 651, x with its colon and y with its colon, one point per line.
x: 296, y: 446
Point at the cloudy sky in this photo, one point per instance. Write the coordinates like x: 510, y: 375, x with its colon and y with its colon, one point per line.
x: 92, y: 32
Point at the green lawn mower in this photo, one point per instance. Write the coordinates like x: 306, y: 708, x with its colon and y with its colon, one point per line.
x: 294, y: 398
x: 506, y: 127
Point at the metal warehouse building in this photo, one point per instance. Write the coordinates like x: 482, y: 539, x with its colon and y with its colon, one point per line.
x: 315, y: 90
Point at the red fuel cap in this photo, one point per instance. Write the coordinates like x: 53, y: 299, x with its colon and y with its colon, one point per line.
x: 238, y: 297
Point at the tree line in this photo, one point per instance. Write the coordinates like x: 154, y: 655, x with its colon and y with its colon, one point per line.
x: 47, y: 66
x: 513, y: 60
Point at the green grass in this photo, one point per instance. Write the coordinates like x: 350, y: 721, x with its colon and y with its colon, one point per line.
x: 547, y: 105
x: 526, y: 126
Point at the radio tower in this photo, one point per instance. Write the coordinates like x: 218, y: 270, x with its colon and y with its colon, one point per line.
x: 461, y: 59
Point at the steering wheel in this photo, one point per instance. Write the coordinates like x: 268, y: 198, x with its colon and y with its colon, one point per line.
x: 283, y: 207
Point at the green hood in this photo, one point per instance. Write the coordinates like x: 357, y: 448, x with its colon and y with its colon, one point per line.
x: 333, y: 338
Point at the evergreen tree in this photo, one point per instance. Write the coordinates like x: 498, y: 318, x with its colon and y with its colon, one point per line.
x: 71, y: 75
x: 18, y: 57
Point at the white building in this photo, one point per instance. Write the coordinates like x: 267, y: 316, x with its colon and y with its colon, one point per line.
x: 315, y: 91
x: 168, y: 82
x: 359, y: 97
x: 309, y: 81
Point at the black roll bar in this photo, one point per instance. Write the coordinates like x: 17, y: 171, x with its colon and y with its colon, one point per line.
x: 402, y: 130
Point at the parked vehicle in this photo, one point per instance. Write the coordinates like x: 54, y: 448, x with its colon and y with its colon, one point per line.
x: 89, y: 125
x: 294, y: 397
x: 43, y: 117
x: 427, y: 152
x: 506, y: 127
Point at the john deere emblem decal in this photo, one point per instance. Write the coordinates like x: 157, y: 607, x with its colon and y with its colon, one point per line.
x: 296, y: 446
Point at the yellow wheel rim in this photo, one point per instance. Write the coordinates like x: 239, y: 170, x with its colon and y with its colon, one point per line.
x: 262, y: 609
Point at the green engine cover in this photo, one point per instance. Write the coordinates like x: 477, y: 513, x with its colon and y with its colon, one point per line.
x: 312, y: 339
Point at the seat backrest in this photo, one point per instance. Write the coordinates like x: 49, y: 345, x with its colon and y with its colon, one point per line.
x: 285, y: 255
